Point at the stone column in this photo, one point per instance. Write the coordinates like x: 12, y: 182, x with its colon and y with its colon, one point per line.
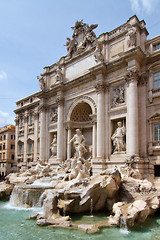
x: 68, y: 144
x: 100, y: 119
x: 16, y: 137
x: 42, y: 150
x: 25, y: 136
x: 60, y: 130
x: 94, y: 148
x: 35, y: 135
x: 132, y: 114
x: 107, y: 133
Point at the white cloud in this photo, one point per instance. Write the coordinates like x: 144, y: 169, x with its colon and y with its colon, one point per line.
x: 5, y: 119
x: 3, y: 75
x: 135, y: 5
x: 147, y: 6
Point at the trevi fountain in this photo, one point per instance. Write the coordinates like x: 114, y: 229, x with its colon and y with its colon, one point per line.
x: 87, y: 143
x: 71, y: 203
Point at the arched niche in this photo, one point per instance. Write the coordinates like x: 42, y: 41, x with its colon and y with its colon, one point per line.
x: 80, y: 116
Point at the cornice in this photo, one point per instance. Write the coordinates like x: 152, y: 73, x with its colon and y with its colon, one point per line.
x: 152, y: 57
x: 134, y: 53
x: 27, y: 106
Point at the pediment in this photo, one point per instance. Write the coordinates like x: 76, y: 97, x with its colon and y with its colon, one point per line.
x: 156, y: 115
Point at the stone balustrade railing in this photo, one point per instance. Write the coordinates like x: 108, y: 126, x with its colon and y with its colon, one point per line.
x: 117, y: 31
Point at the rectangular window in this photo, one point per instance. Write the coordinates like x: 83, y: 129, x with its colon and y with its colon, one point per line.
x: 12, y: 146
x: 4, y: 137
x: 156, y: 47
x: 3, y: 155
x: 156, y: 79
x: 12, y: 137
x: 20, y: 149
x: 4, y: 146
x: 0, y: 146
x: 12, y: 156
x: 30, y: 148
x: 0, y: 156
x: 31, y: 119
x: 1, y: 137
x: 21, y: 122
x: 157, y: 132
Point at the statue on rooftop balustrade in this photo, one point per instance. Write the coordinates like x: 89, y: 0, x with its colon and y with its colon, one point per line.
x: 132, y: 35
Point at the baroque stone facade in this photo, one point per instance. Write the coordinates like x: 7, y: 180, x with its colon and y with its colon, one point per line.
x: 106, y: 87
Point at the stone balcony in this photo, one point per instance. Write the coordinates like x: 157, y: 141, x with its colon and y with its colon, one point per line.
x: 153, y: 146
x: 21, y: 131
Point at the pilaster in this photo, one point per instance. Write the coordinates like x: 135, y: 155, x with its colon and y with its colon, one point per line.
x: 35, y: 134
x: 16, y: 134
x: 42, y: 110
x: 60, y: 130
x: 68, y: 143
x: 25, y: 135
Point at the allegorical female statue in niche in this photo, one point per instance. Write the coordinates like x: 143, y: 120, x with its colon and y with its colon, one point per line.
x: 53, y: 146
x: 118, y: 138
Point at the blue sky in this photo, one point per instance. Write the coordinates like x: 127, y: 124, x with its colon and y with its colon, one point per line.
x: 33, y: 34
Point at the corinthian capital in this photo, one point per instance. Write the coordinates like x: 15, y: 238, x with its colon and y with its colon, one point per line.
x: 42, y: 107
x: 142, y: 81
x: 16, y: 120
x: 60, y: 100
x: 100, y: 86
x: 132, y: 75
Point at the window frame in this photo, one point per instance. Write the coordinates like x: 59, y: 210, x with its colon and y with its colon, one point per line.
x: 156, y: 46
x: 156, y: 81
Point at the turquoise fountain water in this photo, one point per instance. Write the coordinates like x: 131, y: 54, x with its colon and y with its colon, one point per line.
x: 15, y: 226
